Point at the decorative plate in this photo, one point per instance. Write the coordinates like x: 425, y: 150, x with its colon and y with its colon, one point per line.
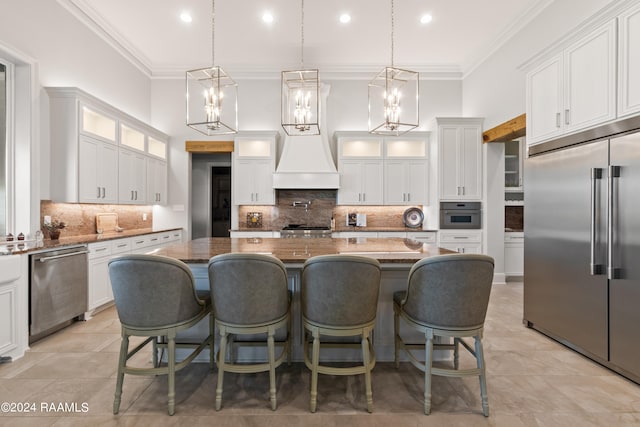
x: 413, y: 217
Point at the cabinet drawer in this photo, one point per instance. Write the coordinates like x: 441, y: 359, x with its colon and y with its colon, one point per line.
x: 513, y: 237
x: 428, y: 237
x: 461, y: 236
x: 98, y: 250
x: 120, y: 246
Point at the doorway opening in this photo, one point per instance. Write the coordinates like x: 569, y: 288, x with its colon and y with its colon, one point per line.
x: 220, y: 201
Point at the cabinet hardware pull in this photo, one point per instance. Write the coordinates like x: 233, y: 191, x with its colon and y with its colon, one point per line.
x: 104, y: 192
x: 567, y: 117
x: 557, y: 120
x: 98, y: 192
x: 408, y: 197
x: 131, y: 194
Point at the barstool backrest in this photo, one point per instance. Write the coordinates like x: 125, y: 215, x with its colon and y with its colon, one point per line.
x: 450, y: 291
x: 248, y: 289
x: 340, y: 290
x: 152, y: 291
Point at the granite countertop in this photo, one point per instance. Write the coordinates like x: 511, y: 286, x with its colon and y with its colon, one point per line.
x: 346, y: 228
x: 296, y: 251
x: 21, y: 247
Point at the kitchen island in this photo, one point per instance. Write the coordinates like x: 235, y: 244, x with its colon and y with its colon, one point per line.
x: 396, y: 256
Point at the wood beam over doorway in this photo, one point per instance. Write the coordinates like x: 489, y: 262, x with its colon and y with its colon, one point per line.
x: 208, y: 146
x: 507, y: 131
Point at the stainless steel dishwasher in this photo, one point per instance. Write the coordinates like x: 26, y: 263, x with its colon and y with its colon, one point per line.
x: 58, y: 289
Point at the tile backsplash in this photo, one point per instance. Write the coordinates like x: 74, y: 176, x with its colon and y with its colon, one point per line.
x: 81, y: 218
x: 514, y: 217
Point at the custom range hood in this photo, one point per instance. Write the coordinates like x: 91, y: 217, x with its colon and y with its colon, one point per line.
x: 306, y: 161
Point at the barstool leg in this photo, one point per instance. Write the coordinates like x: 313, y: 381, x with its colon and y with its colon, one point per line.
x: 456, y: 353
x: 172, y: 372
x: 428, y: 363
x: 124, y: 349
x: 272, y: 367
x: 367, y: 371
x: 222, y: 351
x: 315, y: 360
x: 212, y: 335
x: 483, y: 376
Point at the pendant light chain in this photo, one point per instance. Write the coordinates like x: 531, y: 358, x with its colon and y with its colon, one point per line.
x: 392, y: 31
x: 302, y: 35
x: 213, y: 32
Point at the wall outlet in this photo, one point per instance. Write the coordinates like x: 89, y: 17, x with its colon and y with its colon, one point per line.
x: 144, y: 216
x: 47, y: 220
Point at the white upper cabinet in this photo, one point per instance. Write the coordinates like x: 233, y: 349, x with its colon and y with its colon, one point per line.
x: 156, y: 189
x: 574, y: 89
x: 253, y: 166
x: 98, y: 153
x: 459, y: 158
x: 629, y: 62
x: 405, y: 172
x: 360, y: 167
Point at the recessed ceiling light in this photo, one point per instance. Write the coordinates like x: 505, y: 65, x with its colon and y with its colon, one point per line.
x: 345, y: 18
x: 267, y: 17
x: 186, y: 17
x: 426, y: 18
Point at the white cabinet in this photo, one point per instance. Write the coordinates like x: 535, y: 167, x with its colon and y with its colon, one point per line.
x: 513, y: 165
x: 405, y: 171
x: 462, y: 241
x: 361, y: 167
x: 423, y: 236
x: 97, y: 171
x: 131, y: 177
x: 88, y: 141
x: 253, y: 168
x: 10, y: 274
x: 100, y: 291
x: 156, y: 189
x: 514, y: 254
x: 361, y: 182
x: 574, y: 89
x: 629, y: 62
x: 459, y: 158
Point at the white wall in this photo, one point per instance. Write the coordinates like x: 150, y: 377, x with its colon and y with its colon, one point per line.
x: 496, y: 89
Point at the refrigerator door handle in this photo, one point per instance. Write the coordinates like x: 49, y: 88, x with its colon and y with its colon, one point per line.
x: 613, y: 272
x: 594, y: 267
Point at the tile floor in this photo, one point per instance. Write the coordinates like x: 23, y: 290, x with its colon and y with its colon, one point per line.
x: 532, y: 381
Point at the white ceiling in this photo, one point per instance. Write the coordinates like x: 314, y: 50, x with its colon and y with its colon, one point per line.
x: 151, y: 34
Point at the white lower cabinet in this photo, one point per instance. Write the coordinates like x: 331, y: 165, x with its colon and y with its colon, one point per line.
x: 99, y: 284
x: 423, y: 236
x: 462, y: 241
x: 514, y: 254
x: 10, y: 309
x: 100, y: 253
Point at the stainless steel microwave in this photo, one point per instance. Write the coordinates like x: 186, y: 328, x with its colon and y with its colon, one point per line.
x: 464, y: 215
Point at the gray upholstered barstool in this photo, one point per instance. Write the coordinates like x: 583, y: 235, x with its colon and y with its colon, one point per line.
x: 155, y: 297
x: 250, y: 296
x: 340, y: 299
x: 447, y: 296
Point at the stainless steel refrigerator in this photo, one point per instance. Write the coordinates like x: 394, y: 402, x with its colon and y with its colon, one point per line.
x: 582, y: 244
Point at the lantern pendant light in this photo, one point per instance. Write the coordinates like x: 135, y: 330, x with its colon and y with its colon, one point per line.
x: 300, y: 96
x: 394, y: 96
x: 219, y: 113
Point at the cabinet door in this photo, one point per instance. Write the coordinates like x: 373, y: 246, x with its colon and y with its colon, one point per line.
x: 395, y: 191
x: 98, y: 169
x: 544, y: 98
x: 243, y: 182
x: 417, y: 193
x: 629, y: 62
x: 448, y: 162
x: 263, y: 182
x: 99, y: 285
x: 8, y: 317
x: 131, y: 176
x: 590, y: 78
x: 350, y: 192
x: 372, y: 184
x: 470, y: 163
x: 156, y: 182
x: 89, y: 185
x: 463, y: 248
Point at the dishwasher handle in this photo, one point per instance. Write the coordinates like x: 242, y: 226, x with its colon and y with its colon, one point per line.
x: 51, y: 258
